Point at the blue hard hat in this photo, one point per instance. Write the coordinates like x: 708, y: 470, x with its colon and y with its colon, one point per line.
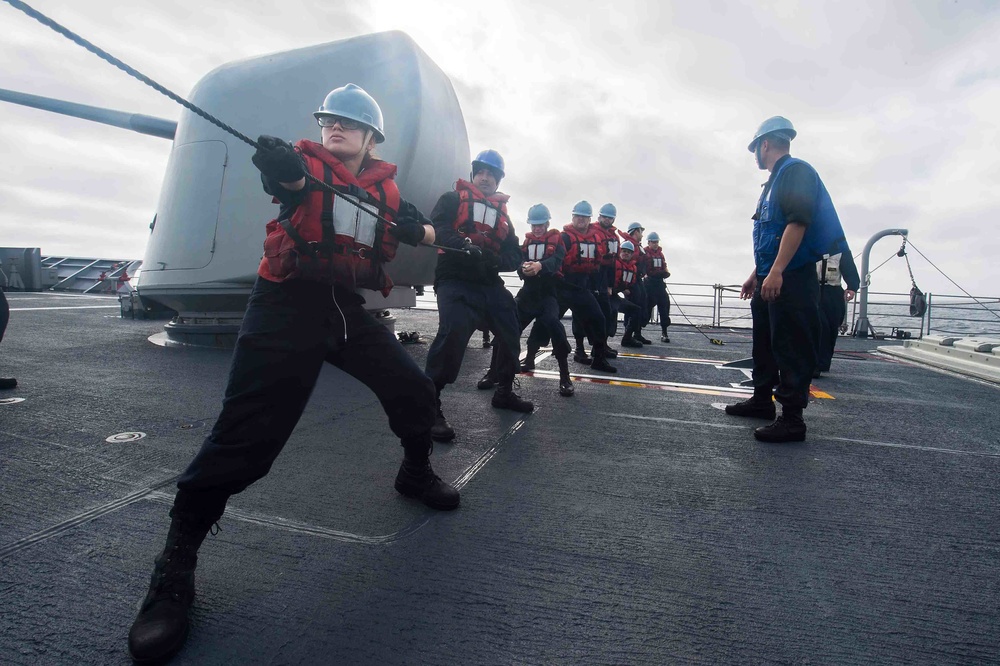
x: 353, y: 102
x: 583, y: 208
x: 632, y: 227
x: 609, y: 210
x: 539, y: 214
x: 627, y: 245
x: 490, y: 159
x: 653, y: 236
x: 779, y: 126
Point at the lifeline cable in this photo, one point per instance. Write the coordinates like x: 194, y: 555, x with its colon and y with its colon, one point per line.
x: 104, y: 55
x: 993, y: 312
x: 714, y: 341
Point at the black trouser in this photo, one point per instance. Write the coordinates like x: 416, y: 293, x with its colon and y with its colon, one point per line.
x: 640, y: 298
x: 585, y: 310
x: 462, y: 308
x: 631, y: 309
x: 545, y: 310
x: 785, y: 336
x: 657, y: 297
x: 605, y: 280
x: 4, y: 314
x: 832, y: 310
x: 288, y: 331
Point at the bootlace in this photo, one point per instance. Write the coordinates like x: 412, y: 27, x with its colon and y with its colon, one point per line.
x: 170, y: 580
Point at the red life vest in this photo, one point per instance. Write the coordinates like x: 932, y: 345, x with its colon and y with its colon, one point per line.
x: 329, y: 240
x: 657, y: 264
x: 625, y: 276
x: 582, y: 254
x: 609, y: 249
x: 482, y: 219
x: 540, y: 247
x: 641, y: 262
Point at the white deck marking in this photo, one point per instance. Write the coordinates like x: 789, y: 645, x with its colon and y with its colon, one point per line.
x: 70, y: 307
x: 615, y: 380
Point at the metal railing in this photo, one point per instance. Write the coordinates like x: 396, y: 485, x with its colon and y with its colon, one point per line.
x: 719, y: 306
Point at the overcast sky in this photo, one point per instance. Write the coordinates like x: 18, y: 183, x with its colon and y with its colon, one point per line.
x: 649, y: 105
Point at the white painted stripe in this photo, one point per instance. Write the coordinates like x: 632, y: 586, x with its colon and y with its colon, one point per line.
x: 895, y: 445
x: 70, y: 307
x: 664, y: 419
x: 652, y: 382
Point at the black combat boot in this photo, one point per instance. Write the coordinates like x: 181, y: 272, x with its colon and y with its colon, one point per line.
x: 528, y: 364
x: 565, y: 383
x: 441, y: 431
x: 601, y: 361
x: 789, y: 427
x: 664, y: 337
x: 639, y: 338
x: 161, y: 627
x: 7, y: 383
x: 629, y: 340
x: 505, y: 398
x: 760, y: 406
x: 609, y: 352
x: 416, y: 479
x: 488, y: 381
x: 581, y: 353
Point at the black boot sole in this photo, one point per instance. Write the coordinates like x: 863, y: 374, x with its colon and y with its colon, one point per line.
x: 414, y: 493
x: 769, y: 416
x: 778, y: 438
x: 442, y: 438
x: 163, y: 657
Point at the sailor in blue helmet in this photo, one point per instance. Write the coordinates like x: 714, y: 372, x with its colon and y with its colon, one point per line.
x: 469, y: 289
x: 542, y: 253
x: 575, y: 290
x: 635, y: 231
x: 794, y: 226
x: 624, y: 285
x: 656, y: 290
x: 303, y: 312
x: 605, y: 224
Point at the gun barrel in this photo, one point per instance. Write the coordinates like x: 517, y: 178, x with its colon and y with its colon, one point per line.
x: 137, y: 122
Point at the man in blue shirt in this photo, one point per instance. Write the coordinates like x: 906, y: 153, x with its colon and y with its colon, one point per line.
x: 795, y: 225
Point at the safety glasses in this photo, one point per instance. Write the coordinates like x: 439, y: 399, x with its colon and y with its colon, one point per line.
x: 345, y: 123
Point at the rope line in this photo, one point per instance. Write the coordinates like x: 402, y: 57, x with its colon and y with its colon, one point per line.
x: 673, y: 303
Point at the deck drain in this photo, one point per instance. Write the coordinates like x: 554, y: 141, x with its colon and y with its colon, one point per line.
x: 11, y: 401
x: 124, y: 437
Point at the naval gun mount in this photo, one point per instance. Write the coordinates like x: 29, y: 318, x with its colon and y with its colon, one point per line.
x: 207, y: 237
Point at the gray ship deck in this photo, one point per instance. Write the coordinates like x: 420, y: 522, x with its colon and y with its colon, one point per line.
x: 634, y: 523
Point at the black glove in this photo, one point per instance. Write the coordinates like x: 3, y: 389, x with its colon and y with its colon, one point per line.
x: 471, y: 249
x: 491, y: 261
x: 278, y: 160
x: 408, y: 230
